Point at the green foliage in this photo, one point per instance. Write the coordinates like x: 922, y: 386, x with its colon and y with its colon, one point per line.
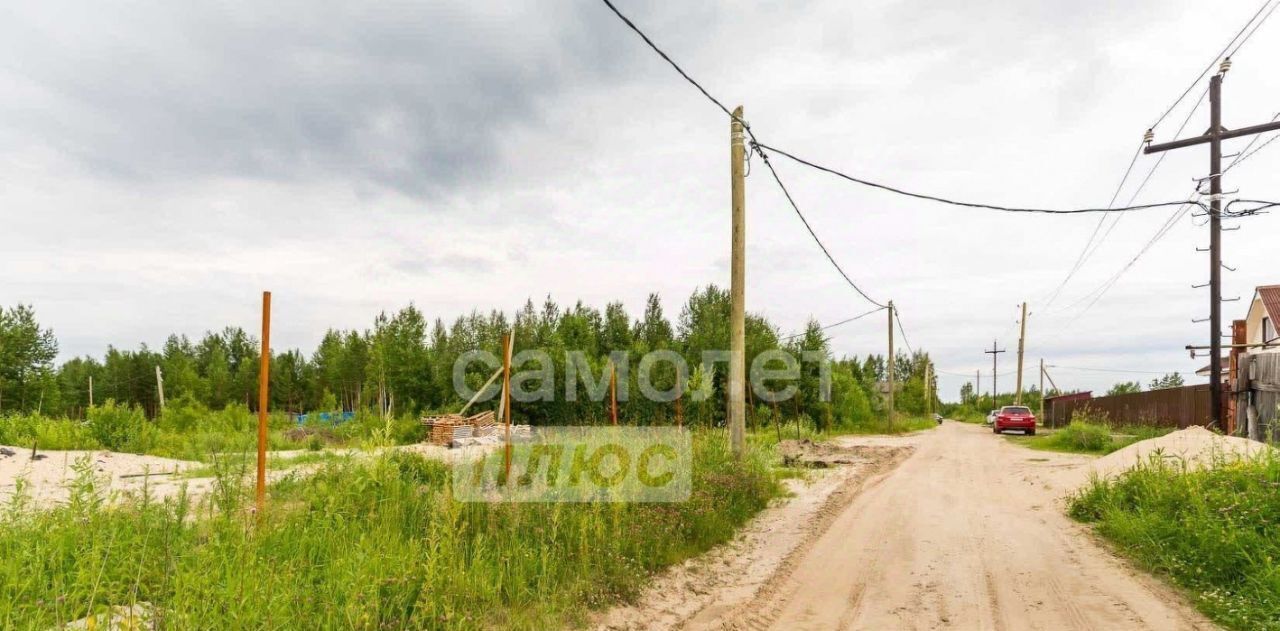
x: 1080, y: 437
x: 363, y: 545
x: 1125, y: 387
x: 26, y: 361
x: 121, y: 428
x: 1171, y: 380
x: 1215, y: 532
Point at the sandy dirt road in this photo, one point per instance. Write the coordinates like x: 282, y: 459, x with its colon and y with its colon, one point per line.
x: 967, y: 532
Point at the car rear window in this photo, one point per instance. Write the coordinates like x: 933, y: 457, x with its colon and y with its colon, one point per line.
x: 1017, y: 410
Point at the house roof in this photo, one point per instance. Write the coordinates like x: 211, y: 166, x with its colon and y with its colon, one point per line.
x: 1208, y: 369
x: 1270, y: 297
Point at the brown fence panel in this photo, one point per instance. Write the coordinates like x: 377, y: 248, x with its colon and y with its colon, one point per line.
x: 1170, y: 407
x: 1260, y: 398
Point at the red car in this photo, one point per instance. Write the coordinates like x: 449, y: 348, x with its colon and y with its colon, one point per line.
x: 1015, y: 417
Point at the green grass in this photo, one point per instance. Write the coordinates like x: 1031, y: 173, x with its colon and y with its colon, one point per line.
x: 375, y: 543
x: 1214, y: 532
x: 1088, y: 438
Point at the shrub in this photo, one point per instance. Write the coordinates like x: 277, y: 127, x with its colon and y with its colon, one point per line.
x: 121, y: 428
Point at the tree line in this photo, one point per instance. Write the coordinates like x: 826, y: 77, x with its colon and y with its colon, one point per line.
x: 403, y: 365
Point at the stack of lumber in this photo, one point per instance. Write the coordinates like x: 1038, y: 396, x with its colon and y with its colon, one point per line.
x: 441, y: 429
x: 483, y: 423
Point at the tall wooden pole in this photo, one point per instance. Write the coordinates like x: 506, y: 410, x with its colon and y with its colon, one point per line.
x: 264, y: 377
x: 1214, y: 137
x: 507, y: 342
x: 1022, y: 344
x: 890, y: 367
x: 680, y: 409
x: 613, y: 392
x: 160, y: 386
x: 1042, y: 390
x: 737, y: 288
x: 90, y: 390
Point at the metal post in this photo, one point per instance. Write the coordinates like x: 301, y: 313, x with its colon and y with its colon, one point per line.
x: 737, y: 288
x: 264, y: 378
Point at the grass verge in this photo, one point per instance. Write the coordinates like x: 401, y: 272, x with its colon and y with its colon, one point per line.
x: 1088, y: 438
x: 1215, y: 532
x: 362, y: 544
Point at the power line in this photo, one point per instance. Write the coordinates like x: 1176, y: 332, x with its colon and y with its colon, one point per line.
x: 792, y: 201
x: 754, y: 144
x: 832, y: 326
x: 1209, y: 67
x: 1101, y: 219
x: 944, y: 200
x: 897, y: 318
x: 1255, y: 30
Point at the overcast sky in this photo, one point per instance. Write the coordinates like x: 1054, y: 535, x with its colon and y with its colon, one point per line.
x: 163, y: 163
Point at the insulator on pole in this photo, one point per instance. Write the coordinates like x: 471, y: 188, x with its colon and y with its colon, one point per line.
x: 1224, y: 66
x: 1149, y: 136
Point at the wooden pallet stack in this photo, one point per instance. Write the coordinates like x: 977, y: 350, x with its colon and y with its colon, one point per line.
x: 482, y: 423
x: 441, y: 429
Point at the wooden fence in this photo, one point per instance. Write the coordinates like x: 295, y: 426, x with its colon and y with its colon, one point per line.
x: 1170, y: 407
x: 1258, y: 397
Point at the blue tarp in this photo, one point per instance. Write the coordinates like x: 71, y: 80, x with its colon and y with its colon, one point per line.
x: 334, y: 418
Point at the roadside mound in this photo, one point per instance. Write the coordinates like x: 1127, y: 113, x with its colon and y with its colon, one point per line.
x: 1197, y: 447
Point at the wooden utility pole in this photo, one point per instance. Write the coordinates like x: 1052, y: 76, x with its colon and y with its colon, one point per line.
x: 995, y: 392
x: 890, y: 366
x: 90, y: 390
x: 507, y: 342
x: 1214, y: 137
x: 1022, y: 344
x: 264, y: 377
x: 1041, y: 389
x: 160, y: 386
x: 680, y: 408
x: 613, y: 392
x: 737, y: 289
x: 977, y: 387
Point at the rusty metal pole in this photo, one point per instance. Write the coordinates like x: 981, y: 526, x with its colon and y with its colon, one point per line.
x: 264, y: 378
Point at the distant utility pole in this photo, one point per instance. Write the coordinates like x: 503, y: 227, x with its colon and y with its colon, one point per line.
x: 90, y: 390
x: 890, y: 367
x: 1214, y: 137
x: 994, y: 372
x: 160, y: 386
x: 1041, y: 389
x: 977, y: 386
x: 1022, y: 344
x: 737, y: 289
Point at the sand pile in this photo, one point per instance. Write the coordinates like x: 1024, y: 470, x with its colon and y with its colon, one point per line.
x: 1196, y: 446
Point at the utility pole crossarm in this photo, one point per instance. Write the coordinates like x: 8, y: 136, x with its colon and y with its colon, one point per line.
x: 1222, y: 135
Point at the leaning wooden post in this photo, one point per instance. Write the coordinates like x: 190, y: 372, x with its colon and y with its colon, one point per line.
x: 264, y: 377
x: 680, y: 408
x: 508, y: 340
